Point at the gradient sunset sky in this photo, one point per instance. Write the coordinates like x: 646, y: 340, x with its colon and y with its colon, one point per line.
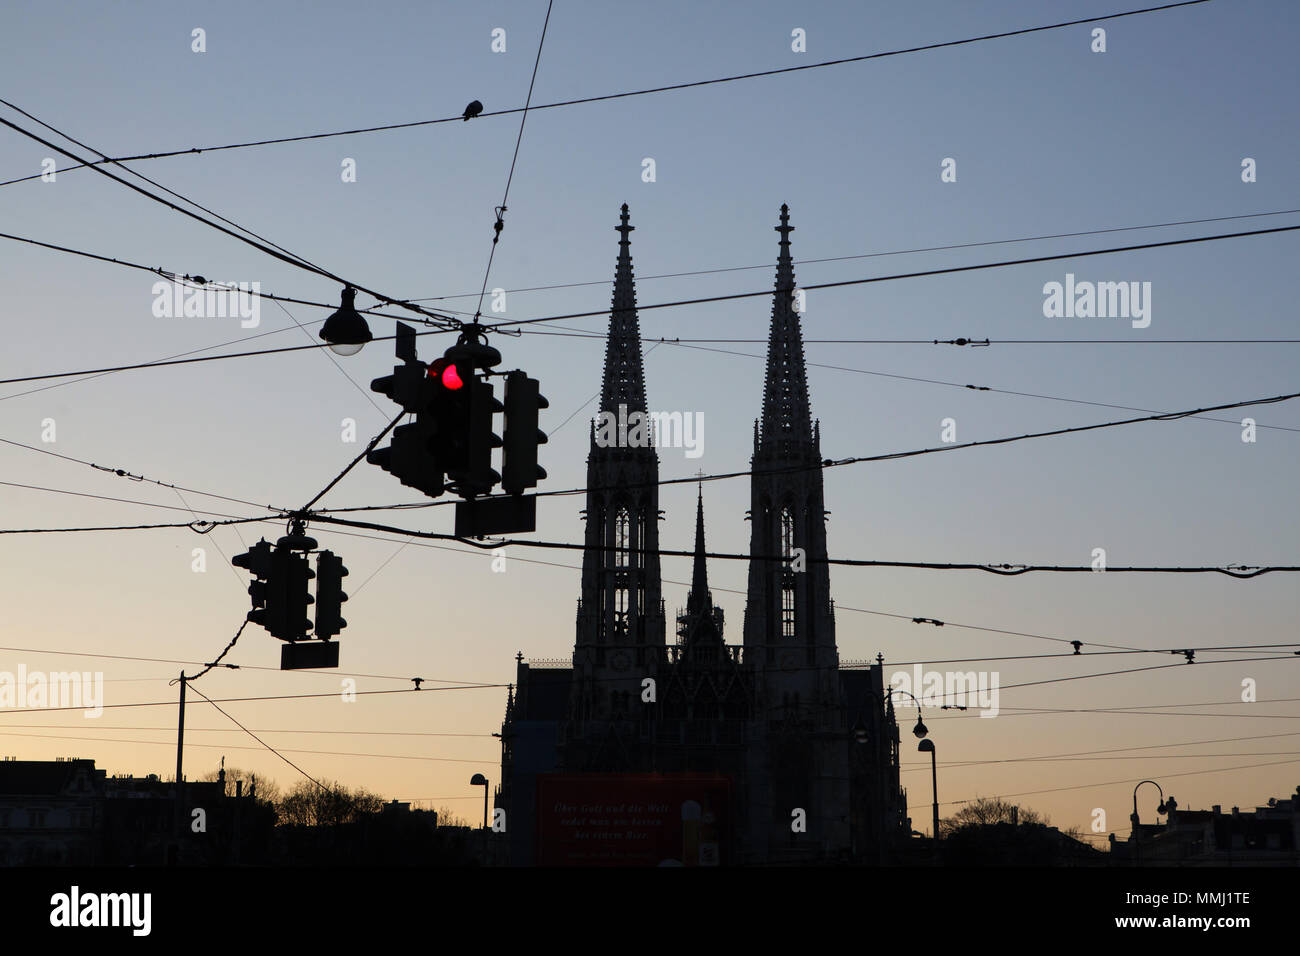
x: 1048, y: 137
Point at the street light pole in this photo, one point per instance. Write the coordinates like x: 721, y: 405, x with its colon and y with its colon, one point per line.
x: 924, y: 746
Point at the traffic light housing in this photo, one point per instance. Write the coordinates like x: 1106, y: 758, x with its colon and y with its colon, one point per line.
x: 330, y: 573
x: 280, y: 592
x: 462, y: 406
x: 409, y: 456
x: 297, y: 597
x: 260, y: 561
x: 523, y: 402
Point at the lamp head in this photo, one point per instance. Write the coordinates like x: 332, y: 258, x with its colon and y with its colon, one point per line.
x: 346, y: 330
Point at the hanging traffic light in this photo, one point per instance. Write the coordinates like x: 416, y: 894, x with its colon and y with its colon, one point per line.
x: 330, y: 573
x: 260, y: 562
x: 523, y: 402
x: 280, y: 592
x: 479, y: 477
x: 297, y: 597
x: 448, y: 409
x: 409, y: 456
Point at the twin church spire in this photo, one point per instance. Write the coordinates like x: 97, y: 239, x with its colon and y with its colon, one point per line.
x: 788, y: 617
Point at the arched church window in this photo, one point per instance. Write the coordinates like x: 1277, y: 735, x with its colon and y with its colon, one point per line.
x: 787, y: 575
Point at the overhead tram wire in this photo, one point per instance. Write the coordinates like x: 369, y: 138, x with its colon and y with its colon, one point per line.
x: 243, y: 667
x: 643, y: 92
x: 684, y: 343
x: 913, y: 618
x: 499, y: 225
x: 157, y: 185
x: 231, y: 746
x: 259, y: 740
x: 240, y: 700
x: 834, y: 463
x: 124, y: 473
x: 949, y: 270
x: 1004, y: 569
x: 260, y: 246
x: 705, y: 299
x: 800, y: 263
x: 178, y: 277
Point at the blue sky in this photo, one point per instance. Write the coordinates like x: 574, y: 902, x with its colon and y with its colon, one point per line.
x: 1048, y: 138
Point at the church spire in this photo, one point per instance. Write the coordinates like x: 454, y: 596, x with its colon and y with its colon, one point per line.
x: 699, y: 600
x: 624, y: 381
x: 786, y: 428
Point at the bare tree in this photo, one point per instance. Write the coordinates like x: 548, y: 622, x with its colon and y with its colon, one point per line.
x: 331, y: 804
x: 986, y: 810
x: 448, y: 818
x: 266, y: 789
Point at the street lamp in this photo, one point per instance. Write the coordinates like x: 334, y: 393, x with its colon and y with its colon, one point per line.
x: 1161, y: 808
x: 927, y: 746
x: 920, y: 730
x: 478, y: 780
x: 346, y: 331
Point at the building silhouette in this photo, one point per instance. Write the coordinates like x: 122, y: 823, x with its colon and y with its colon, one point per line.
x: 1266, y: 836
x: 763, y: 751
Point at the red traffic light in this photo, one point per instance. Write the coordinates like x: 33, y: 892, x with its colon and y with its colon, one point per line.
x: 446, y: 372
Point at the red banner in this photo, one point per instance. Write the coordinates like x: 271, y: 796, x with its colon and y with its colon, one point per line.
x: 632, y: 819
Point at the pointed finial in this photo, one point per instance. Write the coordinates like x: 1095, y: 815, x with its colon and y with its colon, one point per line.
x: 785, y: 228
x: 623, y: 226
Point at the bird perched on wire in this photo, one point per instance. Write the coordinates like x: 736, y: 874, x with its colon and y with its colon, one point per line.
x: 473, y: 109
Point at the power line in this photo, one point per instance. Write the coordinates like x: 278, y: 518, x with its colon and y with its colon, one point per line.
x: 246, y: 667
x: 987, y: 388
x: 127, y: 501
x: 157, y: 185
x: 501, y: 210
x: 800, y: 263
x: 260, y: 246
x: 1111, y: 783
x: 124, y: 473
x: 259, y: 740
x: 277, y: 752
x: 632, y: 93
x: 194, y: 283
x: 949, y: 270
x: 683, y: 302
x: 236, y: 700
x: 266, y: 730
x: 199, y: 527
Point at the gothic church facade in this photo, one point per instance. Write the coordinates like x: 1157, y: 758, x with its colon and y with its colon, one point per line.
x: 809, y: 748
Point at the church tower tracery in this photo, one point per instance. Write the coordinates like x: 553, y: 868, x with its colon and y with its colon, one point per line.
x: 620, y: 621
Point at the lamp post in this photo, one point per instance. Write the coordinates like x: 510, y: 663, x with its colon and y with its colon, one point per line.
x: 928, y: 746
x: 1160, y: 808
x: 478, y: 780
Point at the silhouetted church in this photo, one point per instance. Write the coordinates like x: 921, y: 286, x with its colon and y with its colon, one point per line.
x: 782, y: 755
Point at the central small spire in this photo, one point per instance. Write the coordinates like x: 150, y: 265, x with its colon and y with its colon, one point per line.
x: 699, y: 600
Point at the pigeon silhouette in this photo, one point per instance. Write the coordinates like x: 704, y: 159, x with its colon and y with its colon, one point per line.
x: 473, y: 109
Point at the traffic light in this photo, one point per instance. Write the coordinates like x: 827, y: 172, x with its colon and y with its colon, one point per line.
x: 297, y: 573
x: 448, y: 409
x: 279, y: 593
x: 462, y: 406
x: 519, y: 468
x: 409, y: 456
x: 329, y: 594
x: 258, y: 560
x: 479, y: 477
